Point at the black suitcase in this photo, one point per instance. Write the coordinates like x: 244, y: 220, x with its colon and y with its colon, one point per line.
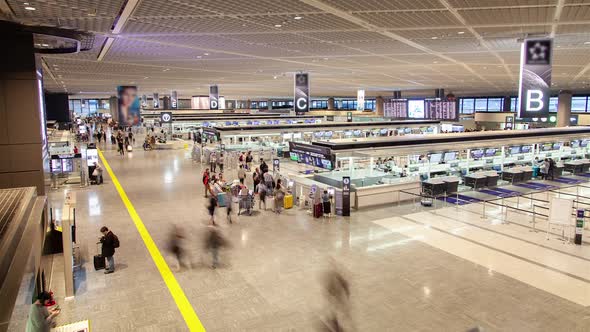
x: 99, y: 260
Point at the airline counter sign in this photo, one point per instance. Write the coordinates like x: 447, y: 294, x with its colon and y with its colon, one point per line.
x: 535, y: 78
x: 174, y: 100
x: 301, y: 93
x: 214, y: 97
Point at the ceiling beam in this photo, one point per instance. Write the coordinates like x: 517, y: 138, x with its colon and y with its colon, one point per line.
x: 371, y: 27
x: 557, y: 17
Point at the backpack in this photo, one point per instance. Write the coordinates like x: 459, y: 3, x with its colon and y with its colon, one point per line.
x: 116, y: 243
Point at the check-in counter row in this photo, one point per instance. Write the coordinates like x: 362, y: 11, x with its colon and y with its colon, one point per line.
x: 441, y: 185
x: 482, y: 179
x: 577, y: 166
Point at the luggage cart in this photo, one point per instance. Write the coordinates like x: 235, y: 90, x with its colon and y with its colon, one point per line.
x: 246, y: 202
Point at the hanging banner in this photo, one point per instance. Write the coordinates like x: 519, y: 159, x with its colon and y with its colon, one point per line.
x: 301, y: 101
x: 360, y: 100
x: 535, y: 78
x: 128, y: 101
x: 156, y: 100
x: 213, y: 97
x: 173, y: 100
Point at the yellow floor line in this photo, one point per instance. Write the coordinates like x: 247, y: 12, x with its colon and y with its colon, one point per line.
x: 186, y: 309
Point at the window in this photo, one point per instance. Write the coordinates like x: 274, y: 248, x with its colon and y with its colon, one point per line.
x: 319, y: 104
x: 481, y: 105
x: 467, y: 105
x: 553, y: 104
x: 579, y: 104
x: 514, y: 104
x: 370, y: 104
x: 495, y: 104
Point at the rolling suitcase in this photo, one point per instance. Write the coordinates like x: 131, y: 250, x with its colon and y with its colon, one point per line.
x: 99, y: 261
x: 270, y: 203
x: 318, y: 210
x: 288, y: 201
x: 129, y: 148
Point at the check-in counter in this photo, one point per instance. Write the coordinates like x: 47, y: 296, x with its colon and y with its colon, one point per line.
x: 482, y: 179
x: 440, y: 186
x: 577, y: 166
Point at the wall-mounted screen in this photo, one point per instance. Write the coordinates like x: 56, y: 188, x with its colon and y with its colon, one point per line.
x: 556, y: 146
x: 318, y: 134
x: 328, y: 134
x: 547, y: 147
x: 393, y: 108
x: 416, y: 108
x: 297, y: 136
x: 450, y: 156
x: 356, y: 133
x: 575, y: 144
x: 435, y: 157
x: 584, y: 143
x: 441, y: 110
x: 525, y: 149
x: 490, y: 152
x: 477, y: 154
x: 514, y: 149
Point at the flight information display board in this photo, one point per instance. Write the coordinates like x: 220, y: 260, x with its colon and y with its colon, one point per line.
x: 420, y: 109
x: 397, y: 109
x: 317, y: 156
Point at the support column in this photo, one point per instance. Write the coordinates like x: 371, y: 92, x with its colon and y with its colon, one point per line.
x: 507, y: 104
x: 379, y: 106
x: 114, y: 108
x: 248, y: 104
x: 330, y: 104
x: 564, y: 108
x: 23, y: 134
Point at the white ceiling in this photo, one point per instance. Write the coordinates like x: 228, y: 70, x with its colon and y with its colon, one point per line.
x: 464, y: 46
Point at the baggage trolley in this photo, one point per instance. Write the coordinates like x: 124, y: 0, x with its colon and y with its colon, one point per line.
x: 246, y: 202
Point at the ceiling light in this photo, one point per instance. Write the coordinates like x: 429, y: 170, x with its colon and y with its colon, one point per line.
x: 435, y: 62
x: 145, y: 78
x: 30, y: 8
x: 325, y: 58
x: 434, y: 37
x: 297, y: 17
x: 275, y: 77
x: 25, y: 3
x: 199, y: 57
x: 587, y: 43
x: 205, y: 54
x: 167, y: 69
x: 278, y: 25
x: 461, y: 32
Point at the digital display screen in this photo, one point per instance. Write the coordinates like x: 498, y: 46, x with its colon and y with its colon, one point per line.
x: 357, y: 133
x: 348, y: 133
x: 383, y: 132
x: 514, y: 149
x: 293, y: 156
x: 547, y: 147
x: 525, y: 149
x: 56, y: 165
x: 275, y: 122
x: 556, y: 146
x: 328, y: 134
x: 435, y: 157
x: 490, y: 152
x: 318, y: 134
x: 477, y: 154
x: 450, y: 156
x: 584, y: 143
x: 416, y: 109
x: 575, y: 144
x: 297, y: 136
x: 228, y: 123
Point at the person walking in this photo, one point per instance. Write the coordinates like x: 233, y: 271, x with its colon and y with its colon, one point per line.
x: 242, y: 174
x: 551, y: 169
x: 206, y: 178
x: 109, y: 243
x: 220, y: 162
x: 256, y: 179
x: 97, y: 173
x: 120, y: 143
x: 249, y: 159
x: 177, y: 248
x: 279, y: 196
x: 214, y: 242
x: 263, y: 166
x: 262, y: 191
x: 213, y: 161
x: 40, y: 318
x: 211, y: 209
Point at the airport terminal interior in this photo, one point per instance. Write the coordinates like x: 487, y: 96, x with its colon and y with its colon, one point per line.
x: 295, y: 165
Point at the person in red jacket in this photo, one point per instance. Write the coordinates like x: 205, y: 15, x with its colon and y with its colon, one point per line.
x: 206, y: 178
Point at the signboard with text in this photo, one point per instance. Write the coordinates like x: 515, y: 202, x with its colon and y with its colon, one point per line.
x: 174, y: 100
x: 535, y: 78
x: 317, y: 156
x: 214, y: 97
x: 346, y: 196
x: 301, y: 102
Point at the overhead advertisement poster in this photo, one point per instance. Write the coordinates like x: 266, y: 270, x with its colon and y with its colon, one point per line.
x: 214, y: 97
x: 360, y: 100
x: 301, y: 93
x: 416, y: 108
x: 535, y: 78
x: 174, y: 100
x: 156, y: 100
x: 128, y: 102
x: 397, y: 109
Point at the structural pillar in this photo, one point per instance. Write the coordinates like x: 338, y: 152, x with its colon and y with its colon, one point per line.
x: 507, y: 104
x: 564, y: 108
x: 379, y: 106
x: 23, y: 134
x: 330, y: 104
x: 114, y: 108
x: 248, y: 104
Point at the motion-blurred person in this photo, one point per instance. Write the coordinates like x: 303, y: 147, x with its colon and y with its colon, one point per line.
x: 337, y: 294
x: 220, y: 162
x: 211, y: 208
x: 97, y: 173
x: 256, y: 178
x: 263, y: 166
x: 40, y: 318
x: 206, y: 179
x: 262, y: 190
x: 279, y: 196
x: 176, y: 246
x: 249, y: 159
x: 242, y: 174
x: 214, y: 241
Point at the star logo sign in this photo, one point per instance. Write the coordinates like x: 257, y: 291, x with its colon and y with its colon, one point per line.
x: 301, y: 79
x: 538, y: 51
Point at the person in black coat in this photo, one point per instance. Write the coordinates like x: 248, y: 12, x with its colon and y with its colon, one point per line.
x: 109, y: 243
x: 263, y: 166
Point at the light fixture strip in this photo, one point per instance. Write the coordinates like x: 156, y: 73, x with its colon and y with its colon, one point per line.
x: 106, y: 46
x: 124, y: 15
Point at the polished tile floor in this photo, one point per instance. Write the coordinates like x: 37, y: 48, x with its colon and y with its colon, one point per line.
x: 410, y: 270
